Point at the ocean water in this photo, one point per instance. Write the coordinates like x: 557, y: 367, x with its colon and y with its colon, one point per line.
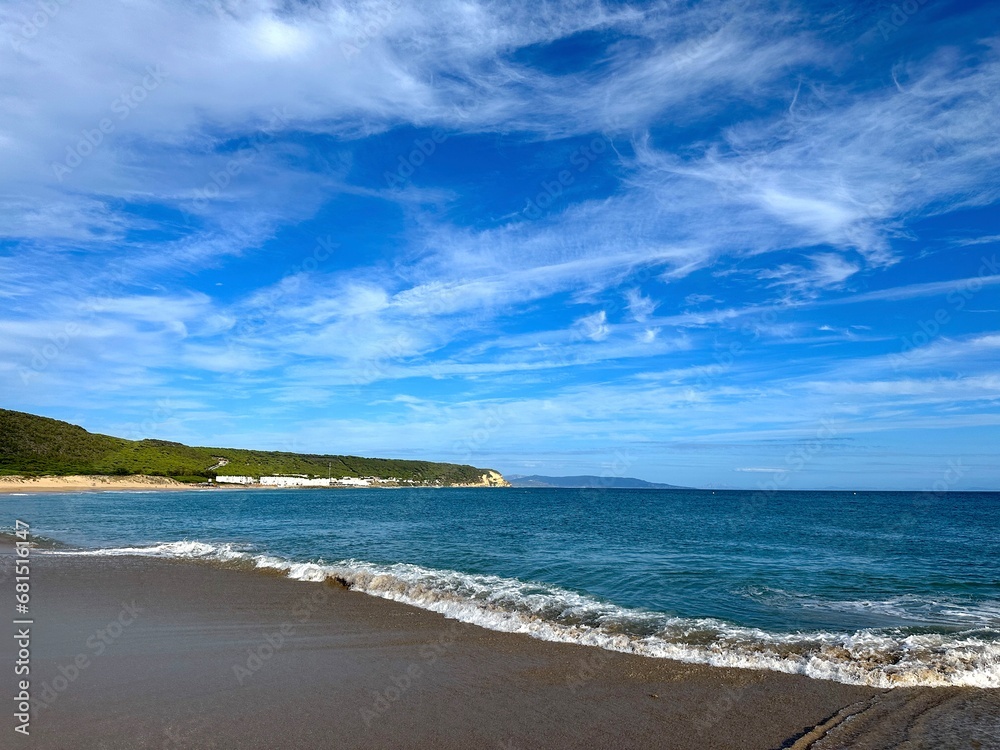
x: 875, y: 588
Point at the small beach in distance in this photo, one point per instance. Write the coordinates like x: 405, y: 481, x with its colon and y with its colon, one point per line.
x: 93, y: 483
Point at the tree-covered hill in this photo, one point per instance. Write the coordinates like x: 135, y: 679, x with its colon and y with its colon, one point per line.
x: 33, y: 445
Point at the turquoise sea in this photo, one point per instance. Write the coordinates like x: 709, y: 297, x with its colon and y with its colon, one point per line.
x: 873, y: 588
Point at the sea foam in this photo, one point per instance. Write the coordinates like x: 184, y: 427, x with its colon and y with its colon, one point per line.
x: 884, y: 658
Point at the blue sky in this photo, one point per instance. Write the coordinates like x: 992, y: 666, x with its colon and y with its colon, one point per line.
x: 714, y: 244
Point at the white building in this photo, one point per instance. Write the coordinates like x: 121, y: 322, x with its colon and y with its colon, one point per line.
x: 293, y: 482
x: 220, y: 479
x: 351, y: 482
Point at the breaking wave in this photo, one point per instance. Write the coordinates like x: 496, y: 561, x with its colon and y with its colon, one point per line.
x: 878, y: 657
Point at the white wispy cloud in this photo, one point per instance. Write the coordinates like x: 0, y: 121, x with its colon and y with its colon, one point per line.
x: 848, y: 167
x: 639, y: 306
x: 746, y: 183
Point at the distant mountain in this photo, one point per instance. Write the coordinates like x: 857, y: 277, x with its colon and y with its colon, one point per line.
x: 589, y: 482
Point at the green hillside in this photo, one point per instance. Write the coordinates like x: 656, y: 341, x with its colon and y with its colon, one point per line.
x: 32, y: 445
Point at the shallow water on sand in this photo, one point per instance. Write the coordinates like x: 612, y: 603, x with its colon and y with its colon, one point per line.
x: 869, y: 587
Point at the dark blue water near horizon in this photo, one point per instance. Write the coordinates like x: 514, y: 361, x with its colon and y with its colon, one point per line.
x: 709, y: 576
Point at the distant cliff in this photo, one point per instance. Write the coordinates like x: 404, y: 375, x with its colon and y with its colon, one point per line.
x: 489, y: 479
x: 587, y: 481
x: 31, y: 445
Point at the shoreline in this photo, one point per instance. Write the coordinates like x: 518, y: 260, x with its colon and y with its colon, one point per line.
x: 16, y: 484
x: 215, y: 654
x: 89, y: 483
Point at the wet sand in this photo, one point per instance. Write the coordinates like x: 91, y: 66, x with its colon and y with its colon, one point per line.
x: 185, y: 655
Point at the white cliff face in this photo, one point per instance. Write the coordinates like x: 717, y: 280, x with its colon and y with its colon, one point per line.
x: 494, y: 479
x: 489, y: 479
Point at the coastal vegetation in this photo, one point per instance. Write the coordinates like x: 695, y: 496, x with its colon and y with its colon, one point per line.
x: 33, y: 446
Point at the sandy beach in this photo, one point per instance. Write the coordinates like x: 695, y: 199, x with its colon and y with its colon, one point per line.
x: 79, y: 483
x: 105, y: 483
x: 143, y: 653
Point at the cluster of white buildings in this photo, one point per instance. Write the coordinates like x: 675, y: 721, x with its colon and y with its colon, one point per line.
x: 296, y: 481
